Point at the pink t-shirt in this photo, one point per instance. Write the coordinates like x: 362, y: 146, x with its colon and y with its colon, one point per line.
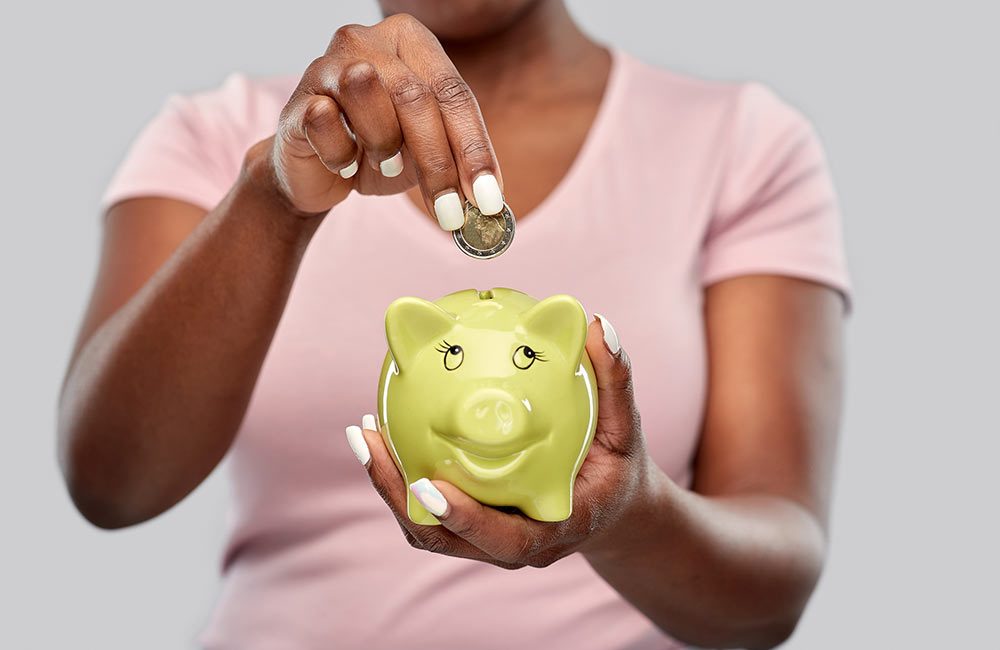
x: 680, y: 183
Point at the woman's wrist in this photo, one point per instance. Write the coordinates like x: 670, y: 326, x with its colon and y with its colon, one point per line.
x: 259, y: 186
x: 638, y: 524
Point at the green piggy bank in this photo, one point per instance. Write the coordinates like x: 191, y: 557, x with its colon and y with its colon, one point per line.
x: 493, y: 392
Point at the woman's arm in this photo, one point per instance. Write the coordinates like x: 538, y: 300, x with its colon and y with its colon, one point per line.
x: 180, y: 320
x: 168, y: 357
x: 730, y: 563
x: 733, y: 562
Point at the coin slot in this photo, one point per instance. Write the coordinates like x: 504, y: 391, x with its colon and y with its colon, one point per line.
x: 486, y: 295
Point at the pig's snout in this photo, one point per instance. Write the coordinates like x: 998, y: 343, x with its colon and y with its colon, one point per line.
x: 491, y: 422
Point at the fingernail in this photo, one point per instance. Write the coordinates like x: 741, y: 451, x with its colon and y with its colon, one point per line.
x: 392, y: 166
x: 610, y: 335
x: 358, y: 444
x: 485, y: 188
x: 350, y: 170
x: 368, y: 422
x: 449, y: 212
x: 429, y: 496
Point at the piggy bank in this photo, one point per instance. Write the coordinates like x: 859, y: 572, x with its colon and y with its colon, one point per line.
x: 493, y: 392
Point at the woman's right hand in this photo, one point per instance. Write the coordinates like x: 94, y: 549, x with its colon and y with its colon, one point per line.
x: 414, y: 121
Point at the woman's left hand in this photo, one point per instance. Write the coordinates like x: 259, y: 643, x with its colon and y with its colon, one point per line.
x: 613, y: 485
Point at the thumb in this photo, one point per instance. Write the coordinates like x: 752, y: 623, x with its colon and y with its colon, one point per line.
x: 618, y: 425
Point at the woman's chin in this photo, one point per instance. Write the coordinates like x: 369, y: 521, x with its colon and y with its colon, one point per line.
x: 460, y: 20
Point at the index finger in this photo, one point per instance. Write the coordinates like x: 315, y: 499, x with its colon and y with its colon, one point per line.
x: 507, y: 537
x: 388, y: 482
x: 470, y: 142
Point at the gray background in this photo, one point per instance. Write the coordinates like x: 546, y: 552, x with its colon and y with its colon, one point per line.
x: 905, y: 98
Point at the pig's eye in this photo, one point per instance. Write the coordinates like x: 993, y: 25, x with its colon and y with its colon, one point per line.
x: 453, y: 355
x: 525, y: 356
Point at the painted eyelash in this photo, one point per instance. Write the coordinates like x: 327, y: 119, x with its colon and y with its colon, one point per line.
x: 539, y: 355
x: 443, y: 346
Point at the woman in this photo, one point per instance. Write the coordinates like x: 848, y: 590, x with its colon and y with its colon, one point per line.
x: 256, y: 233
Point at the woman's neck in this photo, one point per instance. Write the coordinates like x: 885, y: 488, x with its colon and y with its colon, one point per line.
x: 537, y: 55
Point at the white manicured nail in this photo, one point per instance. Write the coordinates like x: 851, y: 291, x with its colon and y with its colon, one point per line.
x: 392, y: 166
x: 449, y: 212
x: 610, y: 335
x: 485, y: 188
x: 350, y: 170
x: 358, y: 444
x: 429, y: 496
x: 368, y: 422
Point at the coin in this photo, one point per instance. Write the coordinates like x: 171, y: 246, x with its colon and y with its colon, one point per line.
x: 485, y: 235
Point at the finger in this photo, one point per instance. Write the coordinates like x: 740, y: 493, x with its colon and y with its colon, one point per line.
x: 470, y: 143
x: 388, y: 482
x: 370, y: 114
x: 292, y: 128
x: 427, y: 142
x: 328, y: 136
x: 618, y: 425
x: 384, y: 474
x: 305, y: 156
x: 506, y: 537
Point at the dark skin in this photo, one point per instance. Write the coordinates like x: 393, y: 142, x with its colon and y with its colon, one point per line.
x: 186, y: 303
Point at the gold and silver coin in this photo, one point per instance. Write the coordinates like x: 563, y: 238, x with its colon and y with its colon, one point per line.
x: 485, y: 235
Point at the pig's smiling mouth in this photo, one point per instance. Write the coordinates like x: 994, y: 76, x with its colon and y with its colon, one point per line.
x: 500, y: 458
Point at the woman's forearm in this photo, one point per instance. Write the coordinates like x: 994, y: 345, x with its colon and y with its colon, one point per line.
x: 731, y: 571
x: 155, y: 395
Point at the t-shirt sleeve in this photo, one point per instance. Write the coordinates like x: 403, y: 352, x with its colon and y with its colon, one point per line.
x: 776, y: 210
x: 191, y: 149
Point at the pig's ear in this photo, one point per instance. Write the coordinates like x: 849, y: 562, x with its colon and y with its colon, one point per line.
x: 561, y: 320
x: 412, y: 324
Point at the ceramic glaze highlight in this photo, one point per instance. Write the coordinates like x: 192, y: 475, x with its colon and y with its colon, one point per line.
x: 493, y: 392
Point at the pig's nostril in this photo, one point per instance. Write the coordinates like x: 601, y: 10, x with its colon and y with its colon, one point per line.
x: 503, y: 412
x: 505, y: 417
